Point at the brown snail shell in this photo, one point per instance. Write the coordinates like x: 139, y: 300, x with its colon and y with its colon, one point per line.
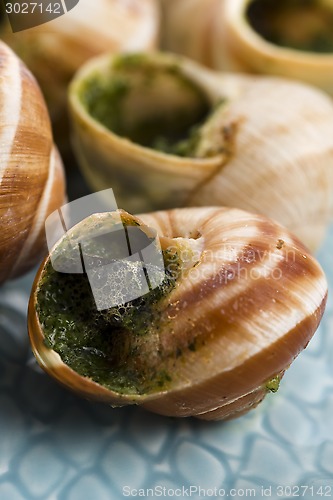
x: 258, y: 147
x: 32, y: 183
x: 287, y: 38
x: 247, y: 299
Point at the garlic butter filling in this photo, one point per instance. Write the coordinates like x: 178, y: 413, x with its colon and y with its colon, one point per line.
x: 116, y: 347
x: 154, y: 105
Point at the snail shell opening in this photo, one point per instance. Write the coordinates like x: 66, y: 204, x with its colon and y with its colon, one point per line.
x: 276, y: 23
x: 127, y: 111
x: 289, y: 38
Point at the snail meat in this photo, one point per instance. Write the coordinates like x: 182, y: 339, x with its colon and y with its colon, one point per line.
x: 239, y: 299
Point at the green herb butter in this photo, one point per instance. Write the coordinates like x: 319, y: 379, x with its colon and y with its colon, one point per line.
x: 119, y: 347
x: 152, y: 104
x: 273, y: 384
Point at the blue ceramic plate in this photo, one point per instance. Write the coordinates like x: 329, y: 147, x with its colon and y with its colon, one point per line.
x: 54, y: 445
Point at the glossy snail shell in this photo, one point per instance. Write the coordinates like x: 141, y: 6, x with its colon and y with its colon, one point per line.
x: 54, y: 51
x: 221, y: 36
x: 250, y: 301
x: 261, y: 150
x: 31, y: 173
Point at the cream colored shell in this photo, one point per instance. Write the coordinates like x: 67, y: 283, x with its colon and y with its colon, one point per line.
x: 31, y: 174
x: 221, y: 37
x: 272, y: 139
x: 250, y: 303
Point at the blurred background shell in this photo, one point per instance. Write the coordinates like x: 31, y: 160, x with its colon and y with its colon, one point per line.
x: 258, y: 148
x: 289, y: 38
x: 54, y: 51
x: 31, y: 173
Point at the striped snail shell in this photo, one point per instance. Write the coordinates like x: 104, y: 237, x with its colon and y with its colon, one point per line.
x: 31, y: 173
x: 240, y: 299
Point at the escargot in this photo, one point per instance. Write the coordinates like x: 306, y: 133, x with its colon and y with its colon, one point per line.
x: 31, y: 174
x: 238, y: 300
x: 290, y: 38
x: 54, y: 51
x: 164, y: 132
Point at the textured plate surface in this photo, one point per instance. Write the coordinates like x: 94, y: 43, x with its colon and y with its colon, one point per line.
x: 56, y: 446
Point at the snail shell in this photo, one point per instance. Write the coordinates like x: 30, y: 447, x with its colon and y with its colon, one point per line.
x: 289, y: 39
x: 53, y: 52
x: 31, y: 173
x: 260, y: 149
x: 247, y: 299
